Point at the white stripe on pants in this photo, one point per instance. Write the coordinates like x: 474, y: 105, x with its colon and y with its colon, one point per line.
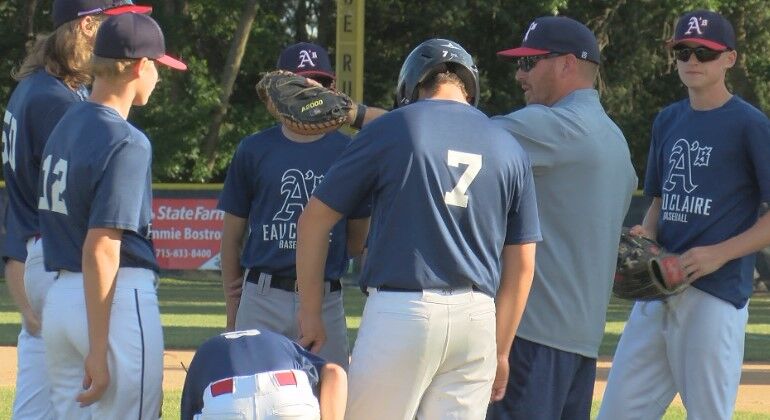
x: 135, y: 352
x: 429, y: 354
x: 691, y: 343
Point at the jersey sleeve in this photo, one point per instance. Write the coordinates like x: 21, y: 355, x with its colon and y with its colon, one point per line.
x: 349, y: 183
x: 117, y: 197
x: 758, y: 138
x: 652, y: 176
x: 192, y: 392
x: 537, y: 131
x: 237, y: 192
x: 523, y: 221
x: 309, y: 363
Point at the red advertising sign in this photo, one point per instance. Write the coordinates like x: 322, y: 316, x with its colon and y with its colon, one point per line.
x: 187, y: 233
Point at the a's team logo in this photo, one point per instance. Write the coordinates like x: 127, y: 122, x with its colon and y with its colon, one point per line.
x: 684, y: 156
x: 532, y: 27
x: 696, y: 24
x: 307, y: 57
x: 296, y: 188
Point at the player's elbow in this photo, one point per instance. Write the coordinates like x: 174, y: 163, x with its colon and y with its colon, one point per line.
x: 334, y: 378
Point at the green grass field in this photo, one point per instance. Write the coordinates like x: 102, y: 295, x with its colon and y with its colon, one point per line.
x: 193, y: 310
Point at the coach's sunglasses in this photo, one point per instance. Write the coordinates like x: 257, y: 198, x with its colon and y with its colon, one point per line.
x: 703, y: 54
x: 528, y: 63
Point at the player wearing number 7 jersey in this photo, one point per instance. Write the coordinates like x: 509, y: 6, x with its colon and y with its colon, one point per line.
x: 452, y: 193
x: 103, y: 338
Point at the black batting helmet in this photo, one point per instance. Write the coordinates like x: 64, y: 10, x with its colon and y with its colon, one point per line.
x: 434, y: 56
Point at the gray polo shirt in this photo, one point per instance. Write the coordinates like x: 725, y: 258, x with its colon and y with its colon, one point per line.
x: 584, y: 180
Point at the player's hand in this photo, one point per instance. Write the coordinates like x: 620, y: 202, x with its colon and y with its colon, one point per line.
x: 501, y: 379
x: 701, y: 260
x: 31, y: 322
x: 96, y: 379
x: 639, y: 230
x: 312, y: 334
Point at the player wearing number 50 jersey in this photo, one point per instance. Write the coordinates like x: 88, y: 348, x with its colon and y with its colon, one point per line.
x: 103, y: 338
x: 452, y: 193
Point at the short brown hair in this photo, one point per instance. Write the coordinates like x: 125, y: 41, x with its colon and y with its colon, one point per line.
x: 65, y: 54
x: 432, y: 82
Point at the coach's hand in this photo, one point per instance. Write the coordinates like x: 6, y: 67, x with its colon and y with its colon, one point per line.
x: 312, y: 334
x: 501, y: 379
x: 96, y: 379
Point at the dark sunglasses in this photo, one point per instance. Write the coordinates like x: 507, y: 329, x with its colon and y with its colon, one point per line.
x: 703, y: 54
x: 528, y: 63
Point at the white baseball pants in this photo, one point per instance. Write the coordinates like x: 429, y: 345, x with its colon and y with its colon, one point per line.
x: 429, y: 354
x: 135, y: 356
x: 691, y: 344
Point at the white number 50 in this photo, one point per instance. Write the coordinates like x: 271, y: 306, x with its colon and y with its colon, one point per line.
x: 457, y: 196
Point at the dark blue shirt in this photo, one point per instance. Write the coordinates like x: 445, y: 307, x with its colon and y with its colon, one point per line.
x: 711, y: 171
x: 36, y: 105
x: 243, y: 353
x: 95, y: 173
x: 449, y: 188
x: 269, y: 182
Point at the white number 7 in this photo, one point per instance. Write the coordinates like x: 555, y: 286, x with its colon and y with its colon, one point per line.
x: 457, y: 196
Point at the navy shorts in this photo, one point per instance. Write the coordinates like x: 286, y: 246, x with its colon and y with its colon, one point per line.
x: 546, y: 383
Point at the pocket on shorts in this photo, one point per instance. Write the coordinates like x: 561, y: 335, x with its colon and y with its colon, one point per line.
x: 220, y: 416
x: 408, y: 315
x: 483, y: 315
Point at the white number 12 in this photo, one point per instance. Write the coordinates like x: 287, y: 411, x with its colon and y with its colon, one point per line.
x: 57, y: 188
x: 457, y: 196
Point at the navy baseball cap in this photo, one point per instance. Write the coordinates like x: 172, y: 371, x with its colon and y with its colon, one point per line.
x: 67, y: 10
x: 133, y: 35
x: 306, y: 59
x: 556, y: 34
x: 706, y: 28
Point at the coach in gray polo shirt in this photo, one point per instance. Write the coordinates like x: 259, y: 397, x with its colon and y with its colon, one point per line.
x: 584, y: 181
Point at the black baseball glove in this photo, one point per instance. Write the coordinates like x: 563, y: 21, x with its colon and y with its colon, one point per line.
x: 645, y: 271
x: 303, y: 107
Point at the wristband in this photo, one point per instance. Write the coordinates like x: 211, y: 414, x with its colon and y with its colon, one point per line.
x: 360, y: 113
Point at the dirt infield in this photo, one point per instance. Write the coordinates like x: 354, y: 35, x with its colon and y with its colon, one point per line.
x: 752, y: 395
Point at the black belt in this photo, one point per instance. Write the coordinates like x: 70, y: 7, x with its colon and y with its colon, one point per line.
x: 403, y: 289
x: 289, y: 284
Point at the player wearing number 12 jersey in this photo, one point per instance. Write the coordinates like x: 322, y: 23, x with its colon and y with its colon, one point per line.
x: 452, y: 193
x: 103, y: 338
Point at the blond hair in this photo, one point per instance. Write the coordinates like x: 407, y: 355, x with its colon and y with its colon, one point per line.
x: 111, y: 68
x: 65, y: 54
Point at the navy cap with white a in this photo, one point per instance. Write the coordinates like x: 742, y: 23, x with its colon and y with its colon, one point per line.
x: 67, y: 10
x: 557, y: 34
x: 706, y: 28
x: 133, y: 35
x: 306, y: 59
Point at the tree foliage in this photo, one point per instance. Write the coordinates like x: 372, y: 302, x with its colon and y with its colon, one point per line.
x: 638, y: 75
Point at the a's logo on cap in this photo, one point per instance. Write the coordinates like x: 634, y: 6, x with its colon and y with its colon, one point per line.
x: 532, y: 27
x: 307, y: 57
x: 696, y: 24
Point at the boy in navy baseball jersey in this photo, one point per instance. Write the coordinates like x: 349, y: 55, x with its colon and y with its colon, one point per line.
x: 104, y: 344
x: 53, y: 76
x: 707, y: 174
x: 452, y: 196
x: 254, y: 375
x: 271, y: 177
x: 579, y: 156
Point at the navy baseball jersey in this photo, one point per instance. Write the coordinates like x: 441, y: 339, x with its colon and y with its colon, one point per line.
x: 710, y: 169
x: 95, y: 173
x: 449, y: 188
x: 36, y: 106
x: 269, y: 183
x: 243, y: 353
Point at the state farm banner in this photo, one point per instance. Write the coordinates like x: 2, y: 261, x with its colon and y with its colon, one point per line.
x: 187, y: 233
